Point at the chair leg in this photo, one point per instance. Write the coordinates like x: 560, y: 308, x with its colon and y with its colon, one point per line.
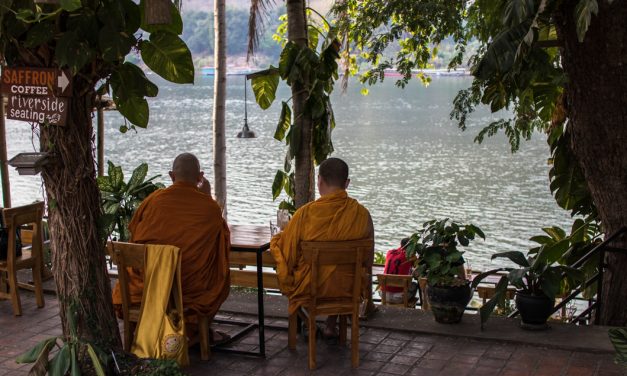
x: 343, y: 329
x: 129, y: 330
x: 39, y: 290
x: 203, y: 329
x: 292, y: 327
x: 312, y: 341
x: 355, y: 340
x: 15, y: 295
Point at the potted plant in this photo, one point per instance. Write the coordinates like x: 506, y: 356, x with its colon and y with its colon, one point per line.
x: 538, y: 280
x: 437, y: 258
x: 119, y: 200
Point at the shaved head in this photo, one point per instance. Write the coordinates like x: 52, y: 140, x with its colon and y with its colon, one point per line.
x: 186, y: 168
x: 334, y: 172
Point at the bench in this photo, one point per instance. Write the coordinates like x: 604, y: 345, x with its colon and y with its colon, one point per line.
x: 248, y: 277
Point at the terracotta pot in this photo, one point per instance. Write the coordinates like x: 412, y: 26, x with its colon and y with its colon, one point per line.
x: 448, y: 303
x: 534, y: 310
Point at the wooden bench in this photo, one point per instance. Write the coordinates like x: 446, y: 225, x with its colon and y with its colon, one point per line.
x: 248, y: 277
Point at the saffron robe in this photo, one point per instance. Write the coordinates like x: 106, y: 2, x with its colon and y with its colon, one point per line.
x: 183, y: 216
x: 333, y: 217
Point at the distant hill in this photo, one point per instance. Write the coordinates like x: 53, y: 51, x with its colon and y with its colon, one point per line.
x: 207, y: 5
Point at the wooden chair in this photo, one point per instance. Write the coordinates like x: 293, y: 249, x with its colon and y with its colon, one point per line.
x: 396, y: 280
x: 131, y: 255
x: 30, y: 259
x: 346, y: 254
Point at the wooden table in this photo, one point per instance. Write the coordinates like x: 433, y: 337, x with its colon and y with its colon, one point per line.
x: 248, y: 239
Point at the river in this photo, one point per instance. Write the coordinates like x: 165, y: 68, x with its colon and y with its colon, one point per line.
x: 409, y: 162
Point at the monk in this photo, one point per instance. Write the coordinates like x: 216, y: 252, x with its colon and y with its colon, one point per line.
x: 332, y: 217
x: 185, y: 215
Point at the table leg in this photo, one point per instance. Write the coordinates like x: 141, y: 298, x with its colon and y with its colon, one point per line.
x: 262, y: 336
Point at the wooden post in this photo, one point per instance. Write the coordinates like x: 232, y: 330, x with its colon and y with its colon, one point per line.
x: 100, y: 136
x: 4, y: 169
x: 219, y: 105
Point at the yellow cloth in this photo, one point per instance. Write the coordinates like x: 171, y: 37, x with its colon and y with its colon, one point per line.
x: 183, y: 216
x: 161, y: 329
x: 333, y: 217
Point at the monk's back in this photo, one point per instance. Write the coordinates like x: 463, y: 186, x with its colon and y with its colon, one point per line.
x: 182, y: 216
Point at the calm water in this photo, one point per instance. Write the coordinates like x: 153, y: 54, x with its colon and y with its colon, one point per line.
x: 409, y: 162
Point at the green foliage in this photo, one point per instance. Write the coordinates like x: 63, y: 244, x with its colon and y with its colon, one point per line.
x: 92, y: 40
x: 435, y: 247
x: 569, y: 248
x: 119, y: 200
x: 568, y: 183
x: 66, y: 359
x: 618, y: 336
x: 316, y: 71
x: 379, y: 258
x: 538, y: 273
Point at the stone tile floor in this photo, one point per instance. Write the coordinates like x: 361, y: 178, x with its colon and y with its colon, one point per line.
x: 382, y: 352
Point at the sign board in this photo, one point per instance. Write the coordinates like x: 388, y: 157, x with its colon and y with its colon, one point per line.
x: 52, y: 110
x: 36, y: 81
x: 36, y: 94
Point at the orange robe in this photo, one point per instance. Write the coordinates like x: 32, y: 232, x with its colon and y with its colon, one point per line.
x: 185, y: 217
x: 332, y: 217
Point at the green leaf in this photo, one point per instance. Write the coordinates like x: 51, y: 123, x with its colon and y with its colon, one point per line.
x: 168, y: 56
x: 285, y: 119
x: 39, y: 34
x: 128, y: 80
x: 548, y: 254
x: 264, y: 87
x: 60, y: 363
x: 277, y: 185
x: 313, y: 35
x: 516, y: 11
x: 287, y: 59
x: 95, y: 360
x: 499, y: 294
x: 583, y: 14
x: 618, y: 336
x: 33, y: 354
x: 70, y: 5
x: 115, y: 45
x: 72, y: 51
x: 139, y: 174
x: 174, y: 27
x: 74, y: 368
x: 134, y: 109
x: 515, y: 256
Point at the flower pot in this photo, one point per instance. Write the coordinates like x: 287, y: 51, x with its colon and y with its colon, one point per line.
x: 448, y: 303
x: 534, y: 310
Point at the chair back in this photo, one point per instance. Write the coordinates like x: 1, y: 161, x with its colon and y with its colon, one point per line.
x: 394, y: 280
x: 126, y: 255
x: 24, y: 215
x: 351, y: 254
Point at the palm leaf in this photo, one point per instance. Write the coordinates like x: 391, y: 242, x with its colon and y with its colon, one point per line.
x: 258, y: 8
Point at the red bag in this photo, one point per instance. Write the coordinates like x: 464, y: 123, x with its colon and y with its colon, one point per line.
x: 396, y: 263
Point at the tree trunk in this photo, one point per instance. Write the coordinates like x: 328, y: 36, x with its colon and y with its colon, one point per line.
x: 597, y: 103
x: 304, y: 169
x: 78, y: 256
x: 219, y: 104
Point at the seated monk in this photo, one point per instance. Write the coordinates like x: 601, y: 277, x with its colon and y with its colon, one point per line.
x: 332, y: 217
x: 185, y: 215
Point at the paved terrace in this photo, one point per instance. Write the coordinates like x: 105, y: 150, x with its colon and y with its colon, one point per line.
x: 392, y: 342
